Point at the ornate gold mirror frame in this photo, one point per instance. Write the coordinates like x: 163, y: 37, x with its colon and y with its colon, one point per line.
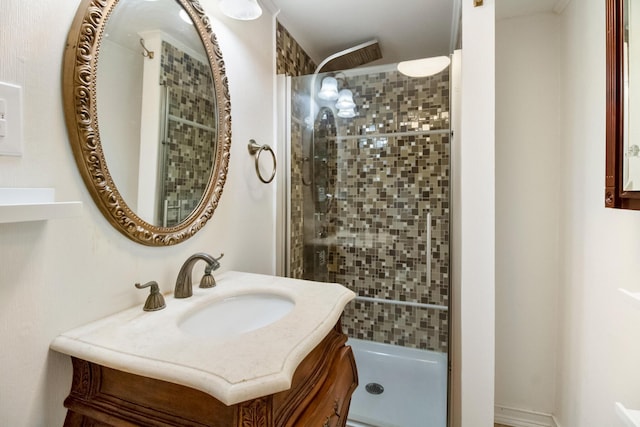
x: 80, y: 105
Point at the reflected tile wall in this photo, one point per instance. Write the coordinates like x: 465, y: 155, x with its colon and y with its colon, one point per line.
x: 190, y: 149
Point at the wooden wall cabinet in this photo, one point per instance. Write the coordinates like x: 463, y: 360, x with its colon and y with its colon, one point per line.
x: 319, y: 396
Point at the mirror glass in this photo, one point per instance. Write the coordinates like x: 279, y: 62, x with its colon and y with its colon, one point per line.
x: 148, y: 114
x: 155, y: 82
x: 631, y: 104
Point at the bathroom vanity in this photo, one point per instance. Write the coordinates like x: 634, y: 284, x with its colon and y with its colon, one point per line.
x: 319, y: 396
x: 149, y: 368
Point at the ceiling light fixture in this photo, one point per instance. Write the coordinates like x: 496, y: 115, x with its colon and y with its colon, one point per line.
x: 345, y: 100
x: 348, y: 113
x: 243, y: 10
x: 329, y: 89
x: 424, y: 67
x: 329, y: 92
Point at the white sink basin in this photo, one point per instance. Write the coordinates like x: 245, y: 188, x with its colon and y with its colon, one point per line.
x: 219, y: 341
x: 236, y: 315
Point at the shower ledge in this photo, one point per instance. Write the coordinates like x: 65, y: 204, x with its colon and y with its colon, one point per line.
x: 629, y: 417
x: 34, y: 204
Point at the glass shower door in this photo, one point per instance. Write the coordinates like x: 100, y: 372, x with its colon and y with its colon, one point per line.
x: 370, y: 201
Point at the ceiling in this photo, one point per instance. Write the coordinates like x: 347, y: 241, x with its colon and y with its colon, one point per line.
x: 325, y: 27
x: 512, y: 8
x: 405, y: 29
x: 132, y: 18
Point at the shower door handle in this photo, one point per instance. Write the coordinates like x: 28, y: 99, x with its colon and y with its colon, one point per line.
x: 428, y: 248
x: 304, y: 181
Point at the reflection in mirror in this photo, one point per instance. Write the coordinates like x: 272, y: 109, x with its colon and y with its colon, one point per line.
x: 321, y: 144
x: 156, y: 111
x: 161, y: 156
x: 324, y: 147
x: 631, y: 130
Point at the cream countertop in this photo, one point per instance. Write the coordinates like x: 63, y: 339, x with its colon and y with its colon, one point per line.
x: 235, y: 369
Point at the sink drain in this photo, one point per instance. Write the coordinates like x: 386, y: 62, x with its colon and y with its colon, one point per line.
x: 374, y: 388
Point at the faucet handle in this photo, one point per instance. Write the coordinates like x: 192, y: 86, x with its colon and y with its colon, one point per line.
x: 155, y: 300
x: 217, y: 264
x: 213, y: 266
x: 207, y: 280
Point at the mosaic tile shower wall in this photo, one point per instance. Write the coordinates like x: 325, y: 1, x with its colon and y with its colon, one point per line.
x: 293, y: 61
x: 189, y: 141
x: 392, y: 171
x: 363, y: 197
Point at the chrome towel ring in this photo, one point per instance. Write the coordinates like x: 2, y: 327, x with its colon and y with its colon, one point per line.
x: 257, y: 149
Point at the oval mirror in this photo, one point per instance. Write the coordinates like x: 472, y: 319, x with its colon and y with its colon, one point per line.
x: 148, y: 113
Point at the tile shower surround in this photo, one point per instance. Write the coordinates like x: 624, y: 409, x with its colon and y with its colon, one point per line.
x: 190, y: 149
x: 384, y: 186
x: 291, y: 59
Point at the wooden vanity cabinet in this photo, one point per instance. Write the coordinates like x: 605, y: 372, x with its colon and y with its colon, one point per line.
x: 319, y: 396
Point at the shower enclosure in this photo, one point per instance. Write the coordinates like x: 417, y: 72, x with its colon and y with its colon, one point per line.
x: 369, y: 208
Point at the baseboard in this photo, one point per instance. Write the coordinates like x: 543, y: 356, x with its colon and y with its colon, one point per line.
x: 523, y: 418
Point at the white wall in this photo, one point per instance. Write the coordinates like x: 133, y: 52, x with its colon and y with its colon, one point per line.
x: 123, y: 101
x: 599, y: 342
x: 474, y: 328
x: 58, y: 274
x: 528, y: 173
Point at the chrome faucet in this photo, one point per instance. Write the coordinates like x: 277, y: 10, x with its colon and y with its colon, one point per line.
x: 184, y: 288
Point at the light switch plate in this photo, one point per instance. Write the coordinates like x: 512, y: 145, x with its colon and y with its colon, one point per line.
x: 11, y: 142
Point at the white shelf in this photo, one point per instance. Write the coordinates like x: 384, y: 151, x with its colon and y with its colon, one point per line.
x: 633, y: 297
x: 34, y: 204
x: 630, y: 417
